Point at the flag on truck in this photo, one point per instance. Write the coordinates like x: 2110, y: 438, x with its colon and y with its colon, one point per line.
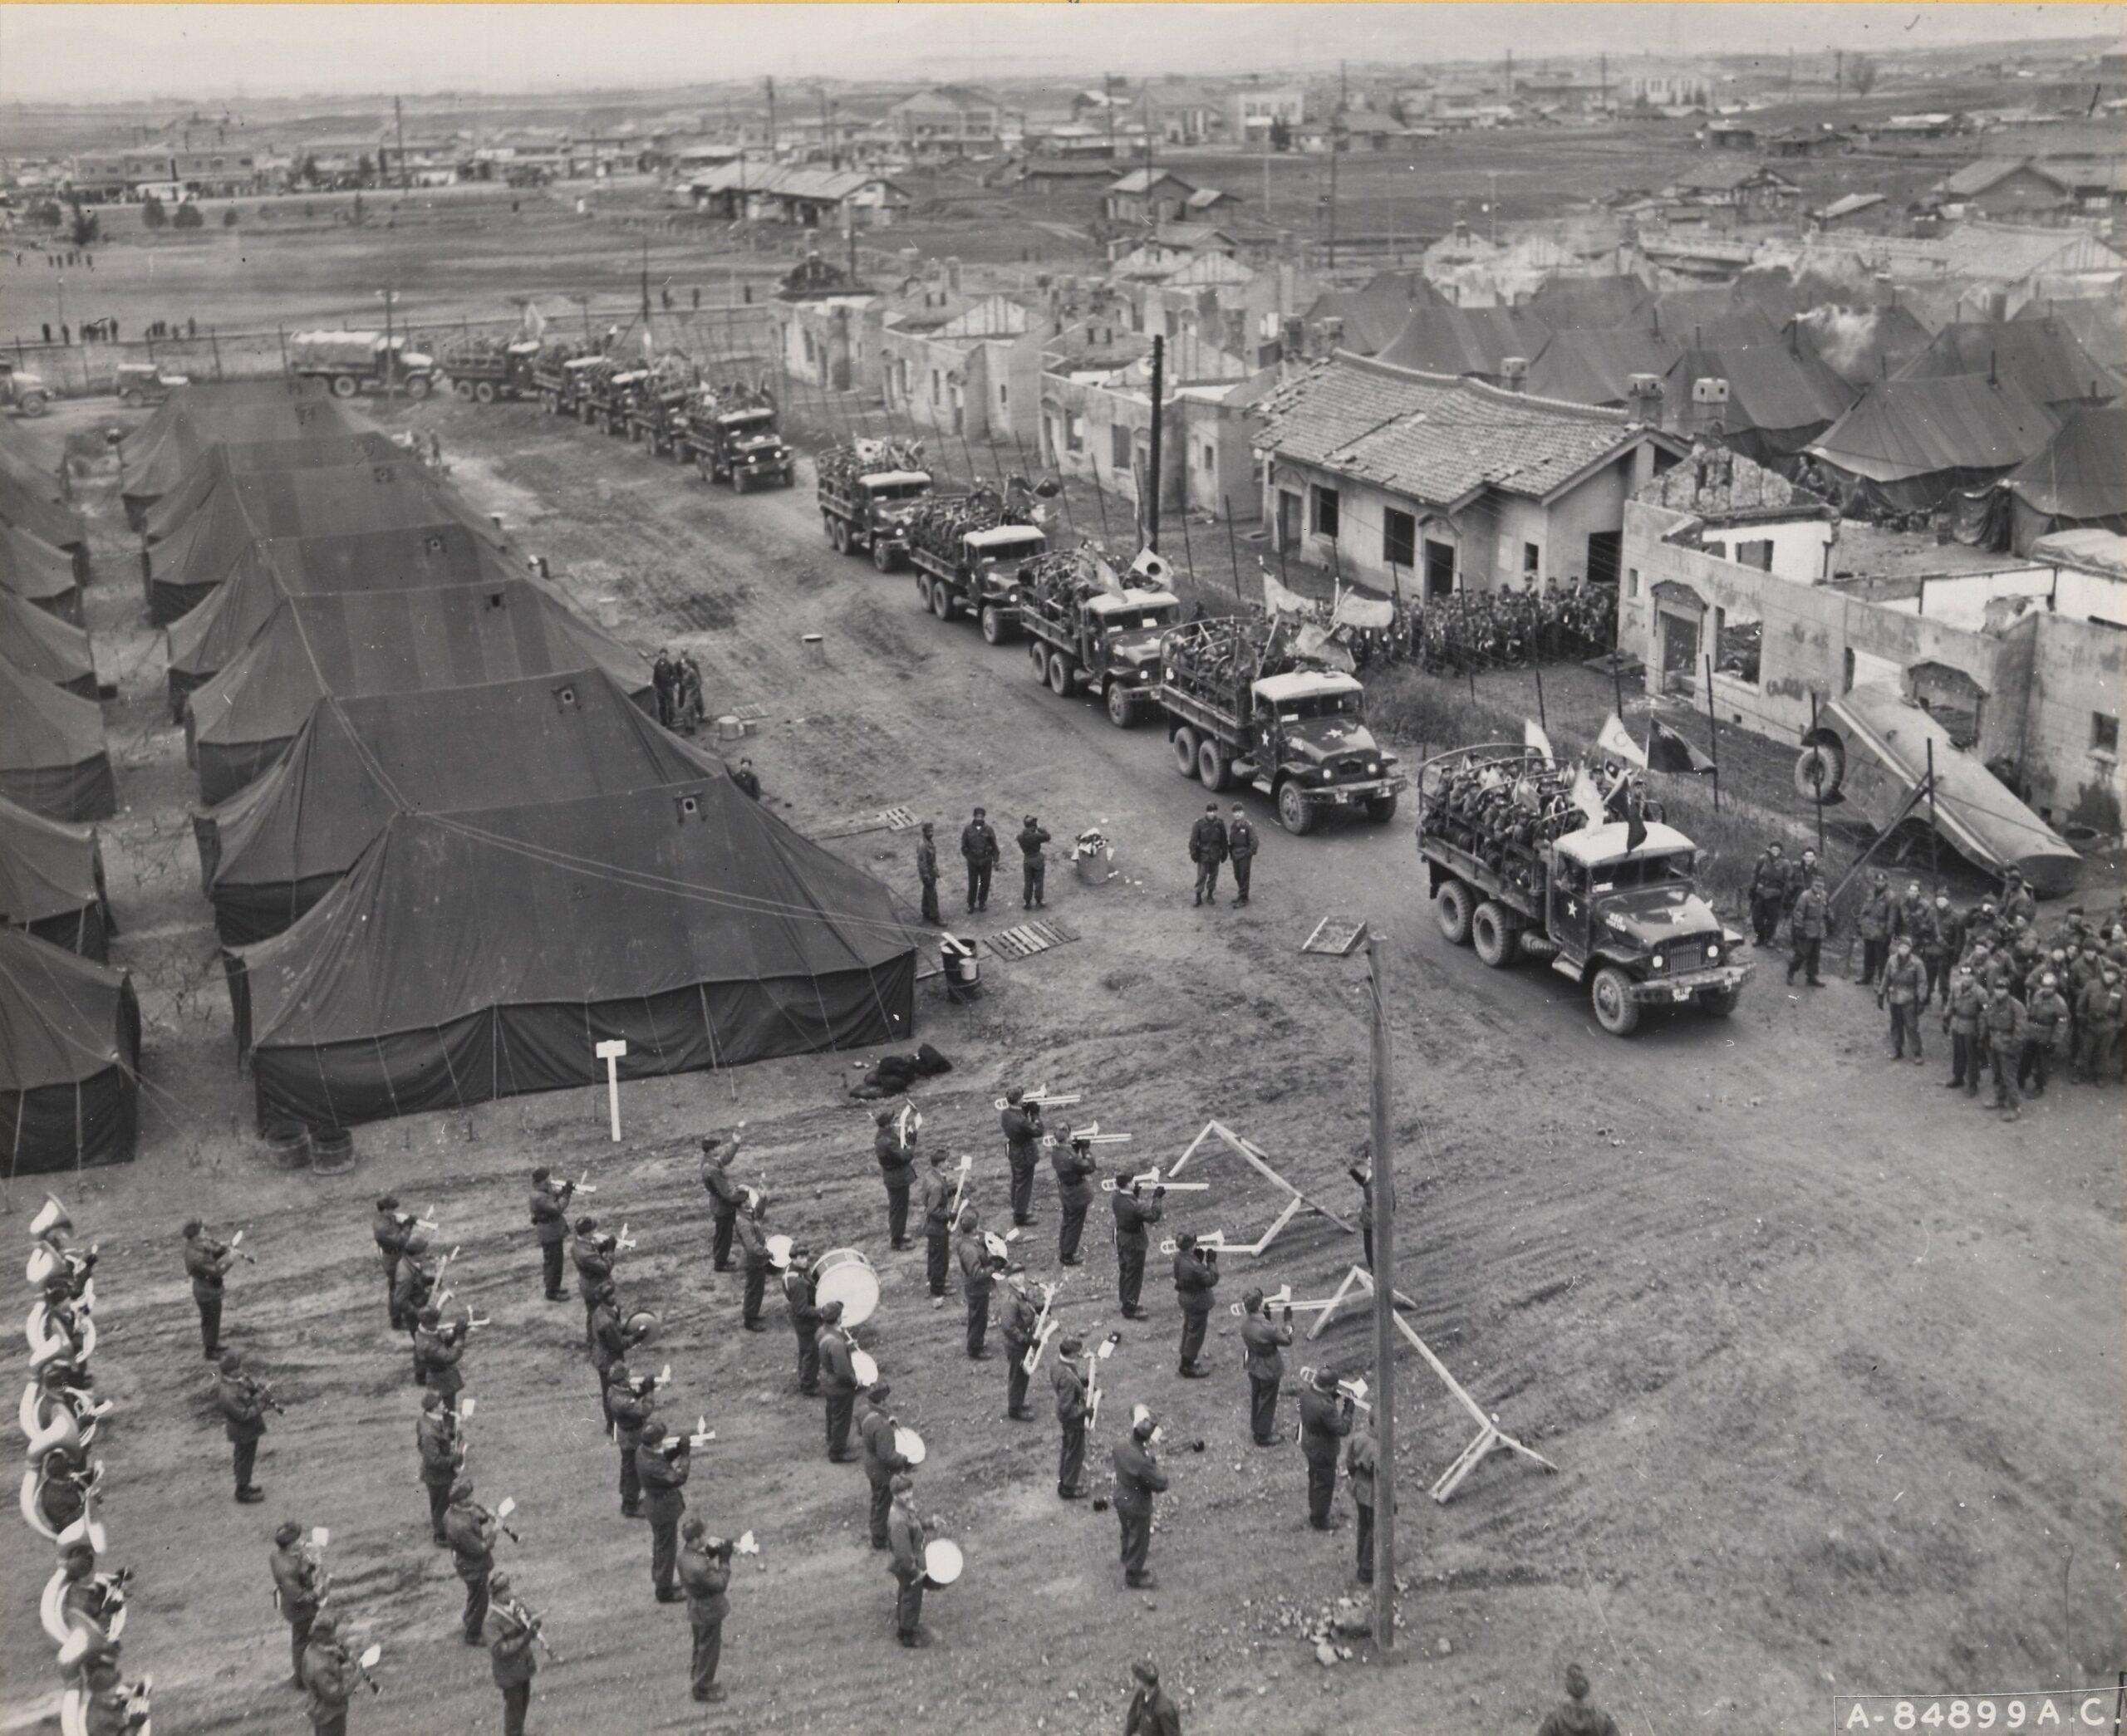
x: 1667, y: 751
x: 1619, y: 744
x: 1534, y: 739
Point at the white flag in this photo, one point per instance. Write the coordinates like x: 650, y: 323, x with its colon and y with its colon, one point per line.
x: 535, y: 322
x: 1620, y: 745
x: 1533, y: 736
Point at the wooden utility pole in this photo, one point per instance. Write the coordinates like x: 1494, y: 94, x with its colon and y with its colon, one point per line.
x: 646, y: 281
x: 399, y: 120
x: 1151, y: 502
x: 1383, y: 1189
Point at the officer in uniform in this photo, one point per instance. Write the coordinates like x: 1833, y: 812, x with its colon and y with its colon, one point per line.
x: 906, y: 1536
x: 443, y: 1456
x: 1242, y: 846
x: 938, y: 1190
x: 437, y: 1350
x: 1067, y: 1375
x: 2097, y: 1024
x: 511, y: 1656
x: 1262, y: 1341
x: 329, y: 1676
x: 753, y: 1249
x: 705, y: 1578
x: 1207, y: 849
x: 804, y: 1318
x: 979, y: 850
x: 1904, y: 987
x: 1133, y: 1212
x: 883, y: 1461
x: 1963, y: 1012
x: 1034, y: 865
x: 1325, y: 1419
x: 1073, y: 1161
x: 663, y: 1470
x: 550, y: 1224
x: 470, y: 1529
x: 1576, y: 1717
x: 897, y: 1159
x: 1873, y: 923
x: 1768, y: 893
x: 1196, y: 1276
x: 837, y: 1381
x: 206, y: 1263
x: 2006, y: 1026
x: 1018, y: 1322
x: 1152, y: 1712
x: 628, y: 1410
x: 1361, y: 1459
x: 411, y: 1280
x: 2046, y: 1032
x: 1138, y: 1478
x: 296, y: 1591
x: 725, y: 1196
x: 1021, y: 1123
x: 243, y: 1404
x: 978, y: 1278
x: 1806, y: 925
x: 926, y: 871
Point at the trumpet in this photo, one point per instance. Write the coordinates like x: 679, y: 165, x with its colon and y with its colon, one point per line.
x: 1208, y: 1245
x: 1091, y: 1135
x: 581, y: 1184
x: 530, y: 1622
x: 1354, y: 1391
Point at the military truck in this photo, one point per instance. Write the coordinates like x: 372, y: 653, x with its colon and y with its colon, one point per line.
x: 866, y: 492
x: 557, y: 376
x: 489, y: 370
x: 1243, y: 707
x: 1089, y: 627
x: 967, y: 550
x: 658, y: 413
x: 731, y: 436
x: 20, y: 390
x: 138, y: 384
x: 607, y: 395
x: 1517, y: 870
x: 363, y: 361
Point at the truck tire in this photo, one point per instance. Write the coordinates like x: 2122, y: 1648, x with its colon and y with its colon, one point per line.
x: 1381, y: 809
x: 1037, y: 655
x: 883, y: 556
x: 702, y: 469
x: 33, y: 404
x: 923, y: 588
x: 484, y: 391
x: 344, y: 385
x: 995, y: 628
x: 838, y: 535
x: 417, y: 388
x: 1183, y: 743
x: 463, y: 388
x: 1122, y: 705
x: 131, y: 398
x: 550, y: 402
x: 1063, y: 674
x: 1610, y: 995
x: 1718, y: 1002
x: 1214, y: 769
x: 1493, y: 936
x: 1450, y: 909
x: 1293, y: 813
x: 943, y: 604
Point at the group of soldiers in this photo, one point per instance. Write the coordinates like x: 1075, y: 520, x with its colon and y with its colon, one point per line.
x: 676, y: 680
x: 1491, y: 629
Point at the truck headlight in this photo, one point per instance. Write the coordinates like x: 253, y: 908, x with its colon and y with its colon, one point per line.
x: 1713, y: 955
x: 1656, y: 961
x: 1373, y: 769
x: 1011, y: 596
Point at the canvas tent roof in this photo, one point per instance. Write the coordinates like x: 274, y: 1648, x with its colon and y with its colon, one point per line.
x: 43, y: 645
x: 463, y: 958
x: 159, y: 454
x: 2042, y: 356
x: 1467, y: 340
x: 1778, y: 400
x: 27, y: 509
x: 172, y: 511
x: 20, y: 464
x: 53, y: 758
x: 2080, y: 479
x: 1567, y: 302
x: 355, y: 642
x: 1376, y: 312
x: 272, y: 850
x: 52, y: 881
x: 1596, y: 367
x: 33, y: 570
x: 70, y: 1057
x: 1908, y: 444
x: 1865, y: 346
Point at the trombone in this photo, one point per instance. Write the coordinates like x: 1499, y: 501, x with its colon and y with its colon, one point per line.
x: 516, y: 1611
x: 1044, y: 1327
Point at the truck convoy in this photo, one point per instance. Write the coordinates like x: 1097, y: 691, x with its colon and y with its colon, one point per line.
x: 485, y: 370
x: 362, y: 362
x: 866, y: 492
x: 967, y: 550
x: 1089, y: 627
x: 1518, y: 869
x: 731, y: 436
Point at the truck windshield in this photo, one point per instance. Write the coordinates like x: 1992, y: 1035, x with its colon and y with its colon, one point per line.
x: 1672, y: 872
x: 1320, y: 705
x: 1165, y: 615
x: 1005, y: 554
x: 895, y: 491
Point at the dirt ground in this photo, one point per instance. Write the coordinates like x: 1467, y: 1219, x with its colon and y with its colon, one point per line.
x: 1802, y: 1445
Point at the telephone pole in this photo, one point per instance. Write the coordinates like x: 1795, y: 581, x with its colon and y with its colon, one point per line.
x: 770, y: 84
x: 1384, y: 1191
x: 1152, y: 502
x: 399, y: 120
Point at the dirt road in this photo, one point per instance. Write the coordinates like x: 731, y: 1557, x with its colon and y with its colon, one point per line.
x: 1828, y: 1359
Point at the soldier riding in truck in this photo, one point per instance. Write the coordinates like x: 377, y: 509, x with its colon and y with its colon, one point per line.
x: 1089, y: 626
x: 866, y: 493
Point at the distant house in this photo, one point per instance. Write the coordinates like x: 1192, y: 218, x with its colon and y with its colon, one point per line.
x: 1931, y: 125
x: 1867, y: 212
x: 1148, y: 196
x: 1804, y: 141
x: 1179, y: 112
x: 2005, y: 187
x: 1365, y: 130
x: 811, y: 199
x: 1064, y: 174
x: 1730, y: 135
x: 1732, y: 193
x: 2096, y: 186
x: 1659, y: 85
x: 949, y: 120
x: 977, y: 376
x: 1252, y: 111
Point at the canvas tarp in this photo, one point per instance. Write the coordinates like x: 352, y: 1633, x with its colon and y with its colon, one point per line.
x: 52, y: 882
x: 26, y: 509
x: 44, y: 645
x: 34, y: 571
x: 2042, y: 356
x: 174, y: 511
x: 158, y: 455
x: 1567, y: 302
x: 2080, y: 479
x: 469, y: 957
x: 1597, y: 367
x: 1473, y: 340
x: 356, y: 642
x: 53, y: 757
x: 272, y: 850
x: 1909, y: 444
x: 70, y: 1059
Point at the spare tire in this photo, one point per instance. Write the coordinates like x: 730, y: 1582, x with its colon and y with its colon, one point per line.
x: 1819, y: 770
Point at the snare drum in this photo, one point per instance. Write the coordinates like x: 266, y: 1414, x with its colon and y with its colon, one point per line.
x: 942, y: 1563
x: 778, y: 1250
x: 845, y: 1275
x: 909, y: 1446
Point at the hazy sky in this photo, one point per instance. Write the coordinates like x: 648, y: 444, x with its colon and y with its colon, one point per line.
x: 209, y: 52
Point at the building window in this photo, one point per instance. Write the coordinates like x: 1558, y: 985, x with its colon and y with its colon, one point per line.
x: 1757, y: 554
x: 1118, y: 446
x: 1632, y: 581
x: 1074, y: 432
x: 1399, y: 538
x: 1719, y: 550
x: 1322, y: 502
x: 2105, y: 733
x: 1211, y: 457
x: 1004, y: 396
x: 937, y: 388
x: 1532, y: 559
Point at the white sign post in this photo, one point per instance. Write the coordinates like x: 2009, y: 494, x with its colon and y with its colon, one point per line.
x: 611, y: 1053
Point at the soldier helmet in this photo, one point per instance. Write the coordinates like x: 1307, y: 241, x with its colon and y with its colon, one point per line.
x: 1211, y: 807
x: 498, y: 1581
x: 926, y: 828
x: 1031, y: 821
x: 432, y: 1400
x: 981, y: 812
x: 387, y: 1202
x: 692, y: 1528
x: 879, y: 1392
x: 618, y: 1375
x: 1147, y: 1671
x: 653, y: 1431
x: 1325, y: 1379
x: 192, y: 1226
x: 287, y: 1533
x: 585, y: 1224
x: 540, y: 1174
x: 882, y: 1118
x: 231, y: 1361
x: 1140, y: 1426
x: 832, y: 1313
x: 1072, y: 1345
x: 324, y: 1626
x: 1882, y: 878
x: 902, y: 1482
x: 462, y: 1489
x: 1576, y: 1681
x: 1237, y: 811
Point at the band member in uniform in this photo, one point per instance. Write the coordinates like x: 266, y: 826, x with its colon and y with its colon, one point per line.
x: 1196, y: 1276
x: 1576, y: 1717
x: 550, y: 1224
x: 443, y: 1456
x: 297, y: 1590
x: 1151, y: 1713
x: 629, y: 1409
x: 594, y: 1255
x: 927, y: 872
x: 705, y: 1578
x: 470, y: 1529
x: 938, y: 1189
x: 753, y: 1249
x: 329, y: 1676
x: 437, y: 1350
x: 243, y: 1403
x: 837, y: 1381
x: 883, y: 1460
x: 804, y: 1318
x: 1242, y: 846
x: 979, y: 849
x: 510, y: 1629
x: 1074, y: 1165
x: 1018, y: 1323
x: 725, y: 1196
x: 977, y: 1277
x: 411, y: 1280
x: 1133, y: 1212
x: 906, y: 1537
x: 391, y: 1228
x: 663, y: 1465
x: 1138, y: 1478
x: 1066, y: 1375
x: 1262, y: 1341
x: 1360, y: 1458
x: 1021, y: 1121
x: 1033, y: 875
x: 897, y: 1157
x: 206, y: 1263
x: 610, y: 1344
x: 1361, y: 1173
x: 1325, y: 1419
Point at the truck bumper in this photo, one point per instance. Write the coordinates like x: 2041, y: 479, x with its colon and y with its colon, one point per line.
x: 1673, y: 990
x: 1351, y: 794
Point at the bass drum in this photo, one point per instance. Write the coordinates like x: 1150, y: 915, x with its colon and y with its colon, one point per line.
x: 845, y: 1275
x: 909, y: 1446
x: 642, y: 1326
x: 942, y: 1563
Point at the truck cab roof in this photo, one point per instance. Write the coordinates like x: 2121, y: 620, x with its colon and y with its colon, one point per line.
x: 1108, y: 602
x: 894, y: 478
x: 1593, y: 845
x: 1005, y: 535
x: 578, y: 362
x: 1305, y: 684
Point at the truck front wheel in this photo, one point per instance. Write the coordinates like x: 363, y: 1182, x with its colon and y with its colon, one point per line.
x: 417, y: 388
x: 33, y: 404
x: 995, y: 629
x: 1122, y: 709
x: 1493, y: 935
x: 1381, y: 809
x: 1213, y: 770
x: 882, y: 554
x: 343, y: 385
x: 1293, y: 813
x: 1184, y: 744
x: 1063, y: 674
x: 1610, y: 995
x: 1718, y: 1002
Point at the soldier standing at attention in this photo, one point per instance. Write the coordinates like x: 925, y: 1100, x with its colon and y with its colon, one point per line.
x: 1905, y: 985
x: 1874, y: 924
x: 937, y: 1228
x: 2097, y: 1024
x: 1325, y: 1417
x: 295, y: 1590
x: 1207, y: 849
x: 2005, y: 1025
x: 977, y: 1279
x: 389, y: 1228
x: 906, y: 1536
x: 1196, y: 1276
x: 550, y: 1224
x: 470, y: 1529
x: 705, y: 1578
x: 206, y: 1261
x: 1021, y: 1123
x: 1576, y: 1717
x: 748, y: 779
x: 243, y: 1418
x: 2045, y: 1034
x: 1361, y: 1457
x: 753, y: 1249
x: 1151, y: 1713
x: 437, y: 1350
x: 1018, y: 1323
x: 329, y: 1676
x: 1768, y: 893
x: 725, y: 1196
x: 1073, y: 1161
x: 510, y: 1656
x: 979, y: 850
x: 1133, y: 1213
x: 1034, y: 865
x: 1362, y: 1172
x: 663, y: 1468
x: 1963, y: 1011
x: 411, y: 1280
x: 882, y: 1460
x: 1262, y: 1343
x: 1067, y: 1375
x: 594, y: 1255
x: 1805, y: 932
x: 1242, y: 846
x: 897, y: 1157
x: 443, y: 1456
x: 610, y: 1344
x: 628, y: 1410
x: 1940, y: 942
x: 837, y: 1381
x: 804, y: 1319
x: 1138, y: 1478
x: 926, y: 873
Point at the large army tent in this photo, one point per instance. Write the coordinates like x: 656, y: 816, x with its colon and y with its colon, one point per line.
x: 414, y: 558
x: 1909, y: 445
x: 2079, y: 480
x: 172, y: 512
x: 474, y: 956
x: 1873, y: 344
x: 1779, y: 399
x: 2041, y: 356
x: 43, y: 645
x: 21, y: 465
x: 53, y: 757
x: 25, y: 508
x: 1471, y: 341
x: 1569, y: 303
x: 34, y: 571
x: 272, y: 850
x: 52, y: 882
x: 352, y: 643
x: 1597, y: 367
x: 158, y: 455
x: 1372, y: 315
x: 69, y: 1058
